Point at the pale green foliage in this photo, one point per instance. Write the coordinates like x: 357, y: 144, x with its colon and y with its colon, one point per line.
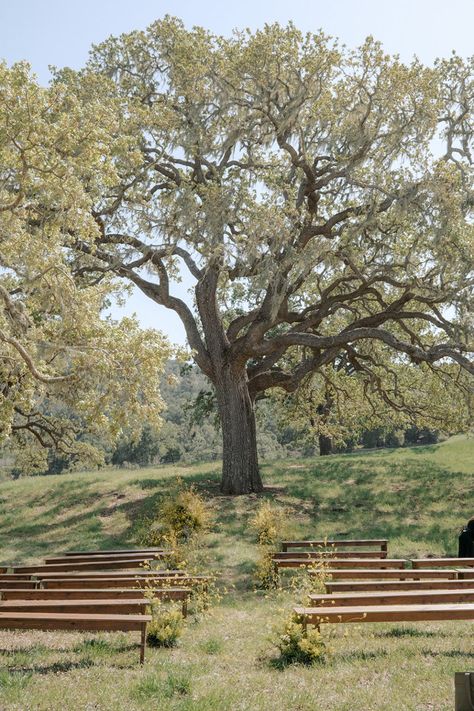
x: 269, y: 523
x: 320, y: 197
x: 58, y: 349
x: 297, y: 645
x: 181, y: 516
x: 166, y: 626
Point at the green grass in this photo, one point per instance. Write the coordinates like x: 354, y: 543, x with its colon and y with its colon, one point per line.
x: 418, y: 498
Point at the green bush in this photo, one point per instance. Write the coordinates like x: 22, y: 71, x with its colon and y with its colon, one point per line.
x: 269, y: 523
x: 298, y: 645
x: 166, y: 626
x: 181, y: 516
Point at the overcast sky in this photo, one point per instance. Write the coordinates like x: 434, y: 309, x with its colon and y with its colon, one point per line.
x: 60, y: 32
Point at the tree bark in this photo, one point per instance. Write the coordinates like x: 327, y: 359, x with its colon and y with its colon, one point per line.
x: 240, y: 472
x: 325, y: 445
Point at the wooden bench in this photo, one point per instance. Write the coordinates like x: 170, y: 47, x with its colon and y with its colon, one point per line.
x: 145, y: 557
x: 89, y: 565
x: 140, y: 551
x: 330, y: 563
x: 133, y: 582
x: 442, y: 562
x: 343, y: 543
x: 406, y: 574
x: 403, y: 597
x: 383, y: 585
x: 139, y: 573
x: 12, y: 584
x: 179, y: 594
x: 111, y: 606
x: 78, y: 622
x: 385, y: 613
x: 315, y: 554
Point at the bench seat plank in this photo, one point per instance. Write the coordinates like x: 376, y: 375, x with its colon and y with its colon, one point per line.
x: 404, y: 597
x: 390, y: 574
x: 386, y: 613
x: 315, y: 554
x: 110, y: 606
x: 94, y: 574
x: 89, y: 565
x: 344, y: 543
x: 161, y: 581
x: 151, y: 550
x: 91, y: 593
x: 442, y: 562
x: 338, y: 586
x: 298, y: 561
x: 102, y: 558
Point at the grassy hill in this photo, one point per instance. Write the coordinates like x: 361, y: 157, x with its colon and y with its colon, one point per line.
x: 418, y: 498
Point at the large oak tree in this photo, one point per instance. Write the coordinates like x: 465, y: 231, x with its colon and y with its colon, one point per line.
x: 319, y: 198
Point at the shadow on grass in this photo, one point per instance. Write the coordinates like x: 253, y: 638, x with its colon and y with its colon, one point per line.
x: 401, y: 632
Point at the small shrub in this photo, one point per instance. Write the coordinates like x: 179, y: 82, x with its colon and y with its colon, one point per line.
x: 298, y: 645
x: 269, y: 523
x: 266, y: 572
x: 166, y: 626
x: 181, y: 517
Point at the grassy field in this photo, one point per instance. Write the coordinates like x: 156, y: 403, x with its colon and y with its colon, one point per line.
x: 418, y: 498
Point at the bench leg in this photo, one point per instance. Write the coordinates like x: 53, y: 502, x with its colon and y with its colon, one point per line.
x: 185, y: 607
x: 143, y: 644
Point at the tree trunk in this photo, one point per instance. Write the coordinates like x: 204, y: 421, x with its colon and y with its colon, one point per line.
x: 240, y: 473
x: 325, y: 445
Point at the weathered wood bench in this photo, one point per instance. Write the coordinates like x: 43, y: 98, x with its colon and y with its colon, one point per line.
x: 132, y: 582
x: 343, y: 543
x: 383, y: 585
x: 12, y: 584
x: 320, y: 554
x: 385, y: 613
x: 442, y: 563
x: 403, y: 597
x: 405, y: 574
x: 77, y: 622
x: 89, y: 565
x: 340, y: 563
x: 144, y: 557
x: 176, y: 594
x: 111, y: 606
x: 151, y: 551
x: 135, y: 572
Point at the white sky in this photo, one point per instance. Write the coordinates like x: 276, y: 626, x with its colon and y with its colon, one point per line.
x: 60, y: 32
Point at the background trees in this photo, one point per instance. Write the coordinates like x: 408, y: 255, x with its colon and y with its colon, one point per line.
x: 65, y: 368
